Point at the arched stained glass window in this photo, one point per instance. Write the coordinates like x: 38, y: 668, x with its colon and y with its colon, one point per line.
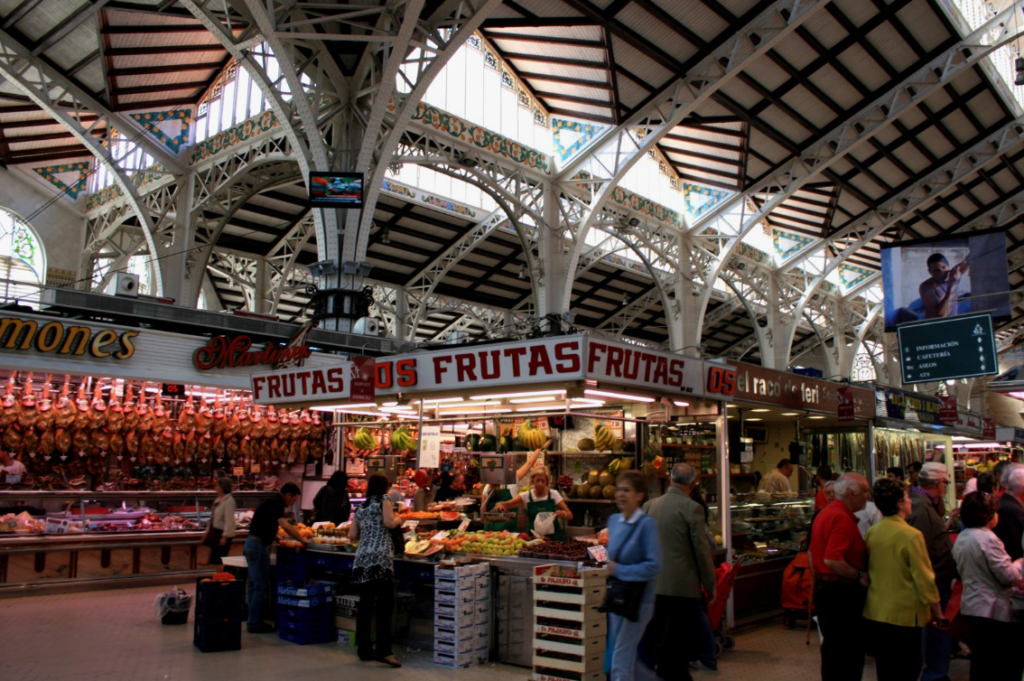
x: 22, y: 260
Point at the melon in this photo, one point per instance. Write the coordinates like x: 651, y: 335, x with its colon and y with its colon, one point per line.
x: 606, y: 479
x: 594, y: 476
x: 471, y: 442
x: 619, y: 446
x: 572, y: 491
x: 505, y: 443
x: 585, y: 445
x: 596, y: 492
x: 486, y: 443
x: 449, y: 516
x: 583, y: 491
x: 609, y: 491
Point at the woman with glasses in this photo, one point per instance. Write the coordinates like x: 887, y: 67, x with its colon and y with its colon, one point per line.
x: 902, y: 596
x: 988, y: 575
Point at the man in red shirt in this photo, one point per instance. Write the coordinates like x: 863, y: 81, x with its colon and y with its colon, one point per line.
x: 839, y: 563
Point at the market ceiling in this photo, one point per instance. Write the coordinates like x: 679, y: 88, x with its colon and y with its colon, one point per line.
x: 598, y: 61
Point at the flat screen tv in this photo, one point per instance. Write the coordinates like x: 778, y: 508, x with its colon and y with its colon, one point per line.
x: 336, y: 190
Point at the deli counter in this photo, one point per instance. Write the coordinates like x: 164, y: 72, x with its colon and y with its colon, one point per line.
x: 81, y: 539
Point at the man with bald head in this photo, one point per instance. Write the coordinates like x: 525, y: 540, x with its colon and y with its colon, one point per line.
x: 839, y: 562
x: 686, y: 555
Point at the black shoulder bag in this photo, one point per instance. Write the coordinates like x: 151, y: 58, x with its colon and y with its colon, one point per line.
x: 624, y: 598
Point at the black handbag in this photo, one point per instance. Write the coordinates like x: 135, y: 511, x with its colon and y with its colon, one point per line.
x: 624, y: 598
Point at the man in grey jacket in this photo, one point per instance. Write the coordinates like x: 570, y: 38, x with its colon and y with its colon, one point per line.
x: 686, y: 554
x: 926, y: 499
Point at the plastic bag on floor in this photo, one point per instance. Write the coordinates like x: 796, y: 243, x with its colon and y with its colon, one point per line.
x: 175, y: 600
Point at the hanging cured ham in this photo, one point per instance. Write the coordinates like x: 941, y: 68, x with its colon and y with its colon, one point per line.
x: 244, y: 422
x: 305, y: 424
x: 219, y: 448
x: 165, y: 445
x: 187, y: 417
x: 145, y: 421
x: 65, y: 409
x: 232, y: 423
x: 27, y: 413
x: 205, y: 446
x: 82, y: 413
x: 273, y: 426
x: 115, y: 412
x: 44, y: 407
x: 81, y: 441
x: 147, y: 446
x: 47, y: 443
x: 191, y: 445
x: 259, y: 424
x: 178, y: 446
x: 131, y: 442
x: 245, y: 447
x: 317, y: 432
x: 10, y: 403
x: 131, y: 417
x: 117, y: 444
x: 98, y: 409
x: 160, y: 416
x: 30, y: 441
x: 232, y: 448
x: 219, y: 417
x: 204, y: 418
x: 62, y: 439
x: 100, y: 440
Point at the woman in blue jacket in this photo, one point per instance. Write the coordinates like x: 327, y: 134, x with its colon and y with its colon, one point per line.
x: 634, y: 555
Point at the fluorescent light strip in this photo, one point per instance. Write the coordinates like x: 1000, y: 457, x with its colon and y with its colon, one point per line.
x: 502, y: 396
x: 528, y: 400
x: 585, y: 402
x: 475, y: 411
x: 754, y: 419
x: 362, y: 413
x: 537, y: 409
x: 621, y: 396
x: 439, y: 400
x: 760, y: 411
x: 681, y: 404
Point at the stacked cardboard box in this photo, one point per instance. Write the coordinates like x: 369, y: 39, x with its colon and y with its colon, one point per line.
x: 462, y: 615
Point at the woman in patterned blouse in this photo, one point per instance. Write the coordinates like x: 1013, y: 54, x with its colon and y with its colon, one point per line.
x: 374, y: 571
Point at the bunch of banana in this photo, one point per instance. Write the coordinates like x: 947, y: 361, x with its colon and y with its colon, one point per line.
x: 364, y: 440
x: 604, y: 439
x: 402, y: 441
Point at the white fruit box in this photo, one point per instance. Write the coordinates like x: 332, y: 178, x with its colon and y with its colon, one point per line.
x: 462, y: 583
x: 446, y: 660
x: 587, y: 613
x: 456, y: 572
x: 575, y: 630
x: 482, y: 618
x: 457, y: 610
x: 555, y: 575
x: 546, y: 675
x: 454, y: 597
x: 581, y: 664
x: 455, y: 647
x: 453, y: 635
x: 452, y: 622
x: 580, y: 647
x: 591, y: 595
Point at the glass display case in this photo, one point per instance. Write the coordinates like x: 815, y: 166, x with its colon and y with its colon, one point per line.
x: 694, y: 443
x: 769, y: 526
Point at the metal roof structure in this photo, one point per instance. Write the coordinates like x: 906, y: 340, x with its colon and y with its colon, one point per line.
x: 848, y: 124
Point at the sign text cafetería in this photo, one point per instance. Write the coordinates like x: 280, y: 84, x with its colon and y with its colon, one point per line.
x: 223, y: 352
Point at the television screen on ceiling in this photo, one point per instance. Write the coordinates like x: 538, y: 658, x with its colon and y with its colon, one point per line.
x: 945, y: 277
x: 336, y: 190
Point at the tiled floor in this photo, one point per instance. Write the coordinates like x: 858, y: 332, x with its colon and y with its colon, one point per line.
x: 115, y: 635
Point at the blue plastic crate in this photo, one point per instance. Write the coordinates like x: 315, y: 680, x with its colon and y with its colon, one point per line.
x: 217, y: 635
x: 304, y: 638
x: 291, y: 566
x: 302, y: 616
x: 306, y: 590
x: 220, y: 600
x: 309, y: 603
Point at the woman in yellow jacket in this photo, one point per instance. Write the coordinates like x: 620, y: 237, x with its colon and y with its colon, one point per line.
x: 902, y: 596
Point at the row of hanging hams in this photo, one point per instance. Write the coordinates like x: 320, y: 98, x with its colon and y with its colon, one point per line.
x: 74, y: 435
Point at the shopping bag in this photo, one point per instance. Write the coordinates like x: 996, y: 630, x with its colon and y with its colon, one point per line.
x: 544, y: 523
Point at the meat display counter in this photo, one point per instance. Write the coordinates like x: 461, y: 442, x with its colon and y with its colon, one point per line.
x: 77, y: 540
x: 766, y: 534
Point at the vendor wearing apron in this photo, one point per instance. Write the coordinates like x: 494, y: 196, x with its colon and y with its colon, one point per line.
x: 541, y: 499
x: 508, y: 492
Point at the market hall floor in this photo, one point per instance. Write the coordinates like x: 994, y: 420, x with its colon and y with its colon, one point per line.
x: 115, y: 636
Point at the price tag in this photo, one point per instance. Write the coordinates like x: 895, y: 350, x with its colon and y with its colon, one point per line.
x: 57, y: 526
x: 410, y: 524
x: 440, y: 536
x: 464, y: 525
x: 598, y: 553
x: 255, y: 468
x: 13, y: 479
x: 238, y: 470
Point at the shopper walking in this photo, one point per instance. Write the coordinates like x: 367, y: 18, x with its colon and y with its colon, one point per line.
x: 268, y: 518
x: 687, y: 555
x: 221, y: 529
x: 373, y: 571
x: 704, y: 654
x: 822, y: 476
x: 902, y: 597
x: 634, y: 556
x: 988, y: 575
x: 1010, y: 528
x: 839, y: 561
x: 331, y: 503
x: 925, y: 516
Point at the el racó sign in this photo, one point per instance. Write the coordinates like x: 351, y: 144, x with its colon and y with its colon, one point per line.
x: 554, y: 360
x: 770, y: 386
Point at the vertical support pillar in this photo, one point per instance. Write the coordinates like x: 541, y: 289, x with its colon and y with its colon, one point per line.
x: 402, y: 327
x: 176, y: 263
x: 724, y: 480
x: 776, y: 339
x: 552, y: 284
x: 259, y: 298
x: 685, y: 321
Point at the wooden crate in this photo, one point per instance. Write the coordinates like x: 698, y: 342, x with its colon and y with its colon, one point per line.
x: 542, y: 674
x: 577, y: 630
x: 577, y: 613
x: 586, y: 662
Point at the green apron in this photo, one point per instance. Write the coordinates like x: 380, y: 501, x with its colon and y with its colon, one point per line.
x: 535, y: 507
x: 512, y: 525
